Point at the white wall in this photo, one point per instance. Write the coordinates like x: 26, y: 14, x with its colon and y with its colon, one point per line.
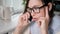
x: 0, y: 2
x: 16, y: 4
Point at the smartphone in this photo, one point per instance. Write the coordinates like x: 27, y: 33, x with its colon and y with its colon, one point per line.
x: 30, y: 17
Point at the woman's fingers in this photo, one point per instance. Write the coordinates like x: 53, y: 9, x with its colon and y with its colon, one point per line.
x: 40, y: 21
x: 27, y: 16
x: 47, y: 10
x: 24, y: 19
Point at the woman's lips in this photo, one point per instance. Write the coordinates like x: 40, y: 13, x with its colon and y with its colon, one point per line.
x: 34, y: 19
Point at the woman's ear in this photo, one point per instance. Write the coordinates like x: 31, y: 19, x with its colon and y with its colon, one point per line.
x: 50, y: 6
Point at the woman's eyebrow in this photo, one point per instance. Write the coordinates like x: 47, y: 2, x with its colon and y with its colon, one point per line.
x: 36, y: 6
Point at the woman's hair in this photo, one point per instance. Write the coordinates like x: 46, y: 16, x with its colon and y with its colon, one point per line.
x: 27, y: 2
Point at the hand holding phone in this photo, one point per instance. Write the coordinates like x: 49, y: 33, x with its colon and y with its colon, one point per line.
x: 23, y: 20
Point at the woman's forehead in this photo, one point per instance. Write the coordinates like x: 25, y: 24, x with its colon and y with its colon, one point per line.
x: 33, y: 3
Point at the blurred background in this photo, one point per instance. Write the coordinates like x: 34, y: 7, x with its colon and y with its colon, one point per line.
x: 9, y: 13
x: 11, y: 6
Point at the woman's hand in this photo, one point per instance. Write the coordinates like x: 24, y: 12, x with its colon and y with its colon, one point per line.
x: 23, y: 22
x: 43, y: 22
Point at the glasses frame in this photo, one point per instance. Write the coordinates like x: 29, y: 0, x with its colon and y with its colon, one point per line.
x: 32, y: 9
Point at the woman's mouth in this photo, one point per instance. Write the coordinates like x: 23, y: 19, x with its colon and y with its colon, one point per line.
x: 34, y: 19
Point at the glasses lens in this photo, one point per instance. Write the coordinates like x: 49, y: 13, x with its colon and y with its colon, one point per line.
x: 29, y: 10
x: 36, y: 10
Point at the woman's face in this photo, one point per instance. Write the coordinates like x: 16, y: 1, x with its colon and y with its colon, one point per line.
x: 37, y: 13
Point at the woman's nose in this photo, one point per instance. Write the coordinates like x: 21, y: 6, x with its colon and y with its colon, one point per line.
x: 36, y: 11
x: 33, y: 14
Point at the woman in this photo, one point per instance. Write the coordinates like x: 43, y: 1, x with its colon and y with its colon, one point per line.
x: 36, y: 17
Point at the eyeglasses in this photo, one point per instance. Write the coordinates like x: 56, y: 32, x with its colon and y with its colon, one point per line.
x: 35, y: 9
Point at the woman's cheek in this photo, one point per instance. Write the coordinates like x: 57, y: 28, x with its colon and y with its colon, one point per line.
x: 41, y: 14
